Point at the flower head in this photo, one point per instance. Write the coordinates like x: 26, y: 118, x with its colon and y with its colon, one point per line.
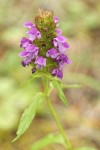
x: 45, y: 47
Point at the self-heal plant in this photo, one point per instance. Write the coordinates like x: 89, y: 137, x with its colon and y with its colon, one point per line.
x: 45, y: 50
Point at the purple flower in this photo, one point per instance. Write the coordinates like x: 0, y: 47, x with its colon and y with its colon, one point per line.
x: 55, y: 19
x: 29, y: 53
x: 58, y: 32
x: 23, y: 54
x: 52, y: 53
x: 25, y: 42
x: 57, y: 72
x: 27, y: 60
x: 29, y: 25
x: 40, y: 62
x: 33, y: 34
x: 60, y: 43
x: 61, y: 60
x: 32, y: 48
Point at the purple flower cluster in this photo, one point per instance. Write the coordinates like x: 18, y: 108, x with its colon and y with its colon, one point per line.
x: 31, y: 53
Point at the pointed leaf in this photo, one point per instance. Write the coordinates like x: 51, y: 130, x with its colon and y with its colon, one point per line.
x: 57, y: 84
x: 29, y: 114
x: 49, y: 139
x: 72, y: 86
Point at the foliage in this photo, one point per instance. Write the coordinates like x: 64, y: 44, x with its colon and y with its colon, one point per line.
x: 29, y: 114
x: 49, y: 139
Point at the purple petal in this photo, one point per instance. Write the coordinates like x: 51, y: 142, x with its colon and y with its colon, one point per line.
x: 33, y: 31
x: 55, y: 19
x: 25, y: 42
x: 33, y: 34
x: 52, y: 53
x: 29, y: 58
x: 38, y: 36
x: 32, y: 37
x: 69, y: 61
x: 58, y: 32
x: 61, y: 38
x: 29, y: 25
x: 57, y: 72
x: 23, y: 54
x: 60, y: 43
x: 32, y: 48
x: 66, y: 45
x: 62, y: 58
x: 40, y: 61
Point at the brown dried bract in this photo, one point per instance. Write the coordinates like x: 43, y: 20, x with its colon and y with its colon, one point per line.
x: 44, y: 14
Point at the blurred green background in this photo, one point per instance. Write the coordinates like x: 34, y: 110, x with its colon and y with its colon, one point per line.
x: 80, y: 23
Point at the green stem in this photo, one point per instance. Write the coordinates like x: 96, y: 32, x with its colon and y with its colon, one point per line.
x: 67, y: 142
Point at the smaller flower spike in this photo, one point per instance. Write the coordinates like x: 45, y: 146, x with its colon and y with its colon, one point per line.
x: 45, y: 47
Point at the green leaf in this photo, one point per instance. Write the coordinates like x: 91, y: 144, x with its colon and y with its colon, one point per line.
x: 85, y: 148
x: 72, y: 86
x: 29, y: 114
x: 57, y: 84
x: 83, y: 80
x: 49, y: 139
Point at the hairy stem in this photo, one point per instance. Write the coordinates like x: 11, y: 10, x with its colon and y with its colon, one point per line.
x: 55, y: 116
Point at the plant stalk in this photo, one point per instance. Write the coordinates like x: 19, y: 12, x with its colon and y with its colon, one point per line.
x: 55, y: 116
